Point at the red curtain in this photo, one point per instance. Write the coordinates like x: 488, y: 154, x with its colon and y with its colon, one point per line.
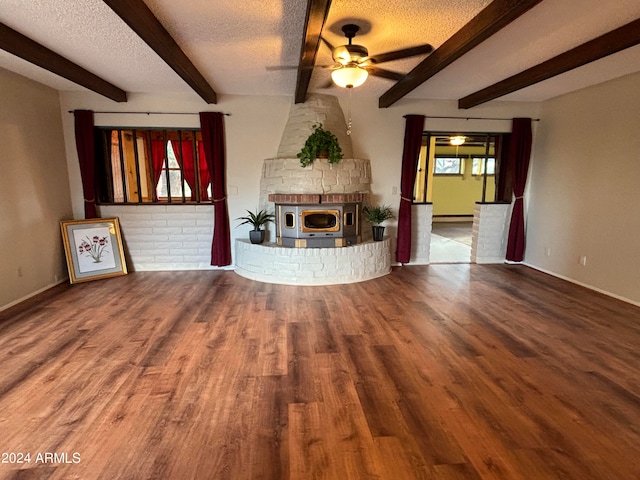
x: 212, y: 128
x: 519, y: 155
x: 187, y: 163
x: 412, y: 142
x: 204, y: 172
x: 85, y: 145
x: 185, y: 160
x: 158, y: 154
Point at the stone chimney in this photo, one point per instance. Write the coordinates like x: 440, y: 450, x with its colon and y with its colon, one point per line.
x: 318, y: 108
x: 285, y: 175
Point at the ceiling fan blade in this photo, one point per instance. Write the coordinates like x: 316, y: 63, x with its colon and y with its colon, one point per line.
x: 273, y: 68
x: 381, y: 72
x: 403, y: 53
x: 326, y: 42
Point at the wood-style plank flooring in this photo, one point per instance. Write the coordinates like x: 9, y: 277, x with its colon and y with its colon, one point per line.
x: 444, y: 372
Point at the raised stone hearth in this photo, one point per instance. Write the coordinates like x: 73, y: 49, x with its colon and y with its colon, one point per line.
x: 313, y: 266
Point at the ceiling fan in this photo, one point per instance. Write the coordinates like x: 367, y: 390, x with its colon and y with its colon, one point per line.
x: 353, y: 64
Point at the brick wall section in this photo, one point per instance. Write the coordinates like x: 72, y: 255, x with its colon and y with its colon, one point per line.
x: 165, y: 237
x: 305, y: 199
x: 344, y: 198
x: 312, y: 266
x: 490, y: 232
x: 294, y: 198
x: 421, y: 216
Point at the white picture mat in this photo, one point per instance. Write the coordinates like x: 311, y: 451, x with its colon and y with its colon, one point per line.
x: 103, y: 258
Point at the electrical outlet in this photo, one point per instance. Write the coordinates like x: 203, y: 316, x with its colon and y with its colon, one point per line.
x: 19, y: 271
x: 394, y: 190
x: 583, y: 260
x: 547, y: 251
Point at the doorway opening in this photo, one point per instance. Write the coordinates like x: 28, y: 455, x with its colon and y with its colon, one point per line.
x: 451, y: 241
x: 456, y: 171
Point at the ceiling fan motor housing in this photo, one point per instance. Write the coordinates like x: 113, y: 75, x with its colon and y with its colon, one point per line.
x: 346, y: 54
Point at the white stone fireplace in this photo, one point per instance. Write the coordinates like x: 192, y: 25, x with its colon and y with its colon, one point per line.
x: 337, y: 255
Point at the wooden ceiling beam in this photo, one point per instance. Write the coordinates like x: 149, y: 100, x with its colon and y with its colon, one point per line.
x: 142, y: 21
x: 492, y: 19
x: 317, y: 11
x: 607, y: 44
x: 19, y: 45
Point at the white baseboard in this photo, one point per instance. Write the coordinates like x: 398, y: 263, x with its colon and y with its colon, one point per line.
x: 586, y: 285
x: 33, y: 294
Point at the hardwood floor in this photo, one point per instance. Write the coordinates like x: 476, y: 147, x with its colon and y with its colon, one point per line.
x: 440, y: 372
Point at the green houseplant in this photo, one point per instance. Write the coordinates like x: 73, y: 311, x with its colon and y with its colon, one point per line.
x: 257, y: 220
x: 376, y: 215
x: 321, y: 142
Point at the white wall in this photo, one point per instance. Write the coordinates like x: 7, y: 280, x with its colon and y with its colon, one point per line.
x: 583, y: 194
x: 34, y: 188
x: 254, y: 129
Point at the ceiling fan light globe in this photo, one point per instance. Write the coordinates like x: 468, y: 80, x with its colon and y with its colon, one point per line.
x: 349, y: 77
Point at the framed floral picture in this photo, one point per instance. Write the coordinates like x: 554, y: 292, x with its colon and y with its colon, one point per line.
x: 93, y: 249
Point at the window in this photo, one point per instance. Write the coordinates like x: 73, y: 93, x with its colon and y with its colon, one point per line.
x: 478, y: 167
x: 152, y: 166
x: 171, y: 177
x: 448, y: 166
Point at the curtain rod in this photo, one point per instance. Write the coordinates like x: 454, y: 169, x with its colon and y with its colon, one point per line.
x: 427, y: 117
x: 155, y: 113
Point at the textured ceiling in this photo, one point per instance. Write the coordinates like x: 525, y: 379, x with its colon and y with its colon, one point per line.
x: 232, y: 42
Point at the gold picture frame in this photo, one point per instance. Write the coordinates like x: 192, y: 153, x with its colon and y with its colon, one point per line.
x: 93, y: 249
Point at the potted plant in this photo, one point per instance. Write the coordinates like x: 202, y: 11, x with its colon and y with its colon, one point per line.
x: 257, y: 220
x: 320, y: 143
x: 376, y: 215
